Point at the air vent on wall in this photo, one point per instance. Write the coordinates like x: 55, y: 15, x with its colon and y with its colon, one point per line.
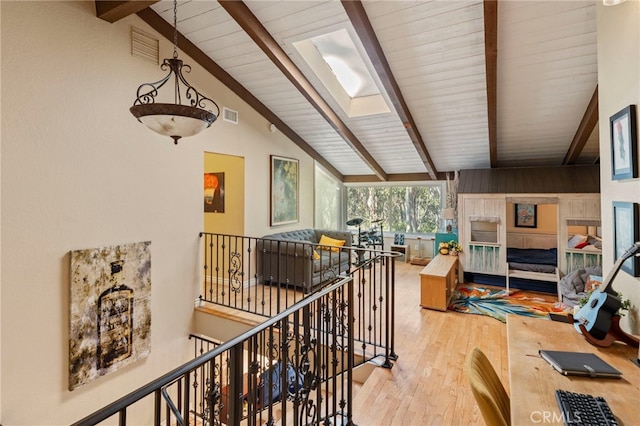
x: 145, y: 46
x: 230, y: 115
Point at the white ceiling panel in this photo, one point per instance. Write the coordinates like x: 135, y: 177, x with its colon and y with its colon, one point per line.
x: 436, y: 52
x: 547, y: 73
x: 546, y: 76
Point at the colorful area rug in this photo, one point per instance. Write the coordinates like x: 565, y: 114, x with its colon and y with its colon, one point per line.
x: 497, y: 303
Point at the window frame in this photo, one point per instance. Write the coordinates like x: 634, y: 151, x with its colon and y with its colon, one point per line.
x: 439, y: 183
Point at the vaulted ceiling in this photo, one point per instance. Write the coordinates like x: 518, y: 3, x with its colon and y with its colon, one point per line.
x: 470, y: 84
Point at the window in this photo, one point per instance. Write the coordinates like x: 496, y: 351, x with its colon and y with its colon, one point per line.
x: 407, y: 209
x: 327, y: 201
x: 484, y: 231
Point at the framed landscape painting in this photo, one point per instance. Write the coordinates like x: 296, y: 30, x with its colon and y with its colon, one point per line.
x: 624, y: 144
x: 284, y: 190
x: 626, y: 231
x: 526, y: 215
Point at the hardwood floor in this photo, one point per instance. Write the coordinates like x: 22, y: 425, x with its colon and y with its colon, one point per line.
x: 427, y: 384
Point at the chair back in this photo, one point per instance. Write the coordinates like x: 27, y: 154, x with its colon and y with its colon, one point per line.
x: 487, y: 389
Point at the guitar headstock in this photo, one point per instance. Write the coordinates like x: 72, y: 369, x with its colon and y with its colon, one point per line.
x: 634, y: 249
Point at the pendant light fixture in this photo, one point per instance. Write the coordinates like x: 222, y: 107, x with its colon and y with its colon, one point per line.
x: 175, y: 120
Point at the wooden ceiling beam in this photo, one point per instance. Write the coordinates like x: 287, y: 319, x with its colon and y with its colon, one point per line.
x: 364, y: 29
x: 491, y: 70
x: 397, y: 177
x: 113, y: 11
x: 587, y: 124
x: 259, y: 34
x: 165, y: 29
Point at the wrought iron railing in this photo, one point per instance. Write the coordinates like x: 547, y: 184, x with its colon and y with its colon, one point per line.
x: 266, y: 276
x: 295, y: 368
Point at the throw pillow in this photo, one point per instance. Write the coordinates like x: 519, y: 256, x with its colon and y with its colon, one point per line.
x: 325, y: 242
x: 593, y: 282
x: 576, y: 239
x: 316, y: 256
x: 581, y: 245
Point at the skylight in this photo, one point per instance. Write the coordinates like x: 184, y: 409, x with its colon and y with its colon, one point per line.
x: 346, y: 76
x: 337, y: 62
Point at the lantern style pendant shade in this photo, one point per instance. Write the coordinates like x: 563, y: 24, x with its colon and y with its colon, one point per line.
x: 176, y: 120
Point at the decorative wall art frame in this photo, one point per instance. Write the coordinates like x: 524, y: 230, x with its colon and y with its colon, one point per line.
x: 624, y: 144
x: 284, y: 190
x: 214, y: 192
x: 110, y: 310
x: 526, y: 215
x: 626, y: 231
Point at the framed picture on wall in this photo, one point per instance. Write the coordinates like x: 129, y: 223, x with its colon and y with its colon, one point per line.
x: 625, y: 233
x: 526, y: 215
x: 624, y: 144
x: 284, y: 190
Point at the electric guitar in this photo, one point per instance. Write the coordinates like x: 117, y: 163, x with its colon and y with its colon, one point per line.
x: 596, y: 314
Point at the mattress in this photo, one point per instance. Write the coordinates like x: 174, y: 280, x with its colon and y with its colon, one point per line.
x: 533, y: 256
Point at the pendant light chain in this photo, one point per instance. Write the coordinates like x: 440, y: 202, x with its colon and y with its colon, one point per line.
x: 175, y: 29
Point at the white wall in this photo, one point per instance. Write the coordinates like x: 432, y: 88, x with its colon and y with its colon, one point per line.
x: 618, y: 86
x: 78, y: 171
x: 0, y: 224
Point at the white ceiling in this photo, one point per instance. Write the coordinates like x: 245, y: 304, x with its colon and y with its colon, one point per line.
x: 546, y: 76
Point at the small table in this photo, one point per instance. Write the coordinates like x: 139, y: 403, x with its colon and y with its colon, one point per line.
x: 401, y: 248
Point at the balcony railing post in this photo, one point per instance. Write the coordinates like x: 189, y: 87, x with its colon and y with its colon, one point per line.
x: 350, y: 349
x: 392, y: 324
x: 236, y: 390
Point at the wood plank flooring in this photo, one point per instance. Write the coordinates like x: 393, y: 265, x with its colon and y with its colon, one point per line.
x: 427, y: 384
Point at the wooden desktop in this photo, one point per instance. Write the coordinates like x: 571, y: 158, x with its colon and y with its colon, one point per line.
x: 533, y: 382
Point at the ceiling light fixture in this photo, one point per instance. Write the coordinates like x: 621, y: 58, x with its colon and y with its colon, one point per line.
x: 175, y: 120
x: 612, y: 2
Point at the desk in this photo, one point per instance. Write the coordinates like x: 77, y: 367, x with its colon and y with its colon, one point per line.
x: 532, y: 381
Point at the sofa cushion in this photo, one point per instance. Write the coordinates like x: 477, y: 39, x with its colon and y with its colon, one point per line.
x: 330, y: 260
x: 297, y: 235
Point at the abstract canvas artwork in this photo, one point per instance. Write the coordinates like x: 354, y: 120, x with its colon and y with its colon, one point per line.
x: 214, y: 192
x: 284, y: 190
x: 110, y: 312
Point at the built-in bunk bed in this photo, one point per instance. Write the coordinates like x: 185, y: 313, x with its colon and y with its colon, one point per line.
x: 537, y: 255
x: 532, y: 261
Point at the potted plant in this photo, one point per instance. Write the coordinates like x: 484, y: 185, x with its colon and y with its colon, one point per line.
x: 626, y: 303
x: 451, y: 247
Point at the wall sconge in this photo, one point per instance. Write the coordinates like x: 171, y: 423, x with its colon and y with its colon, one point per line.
x: 448, y: 215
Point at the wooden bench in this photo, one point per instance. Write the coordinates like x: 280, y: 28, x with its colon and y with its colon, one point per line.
x: 438, y: 280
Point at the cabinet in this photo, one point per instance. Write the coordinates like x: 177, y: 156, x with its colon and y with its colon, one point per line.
x: 438, y: 280
x: 401, y: 248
